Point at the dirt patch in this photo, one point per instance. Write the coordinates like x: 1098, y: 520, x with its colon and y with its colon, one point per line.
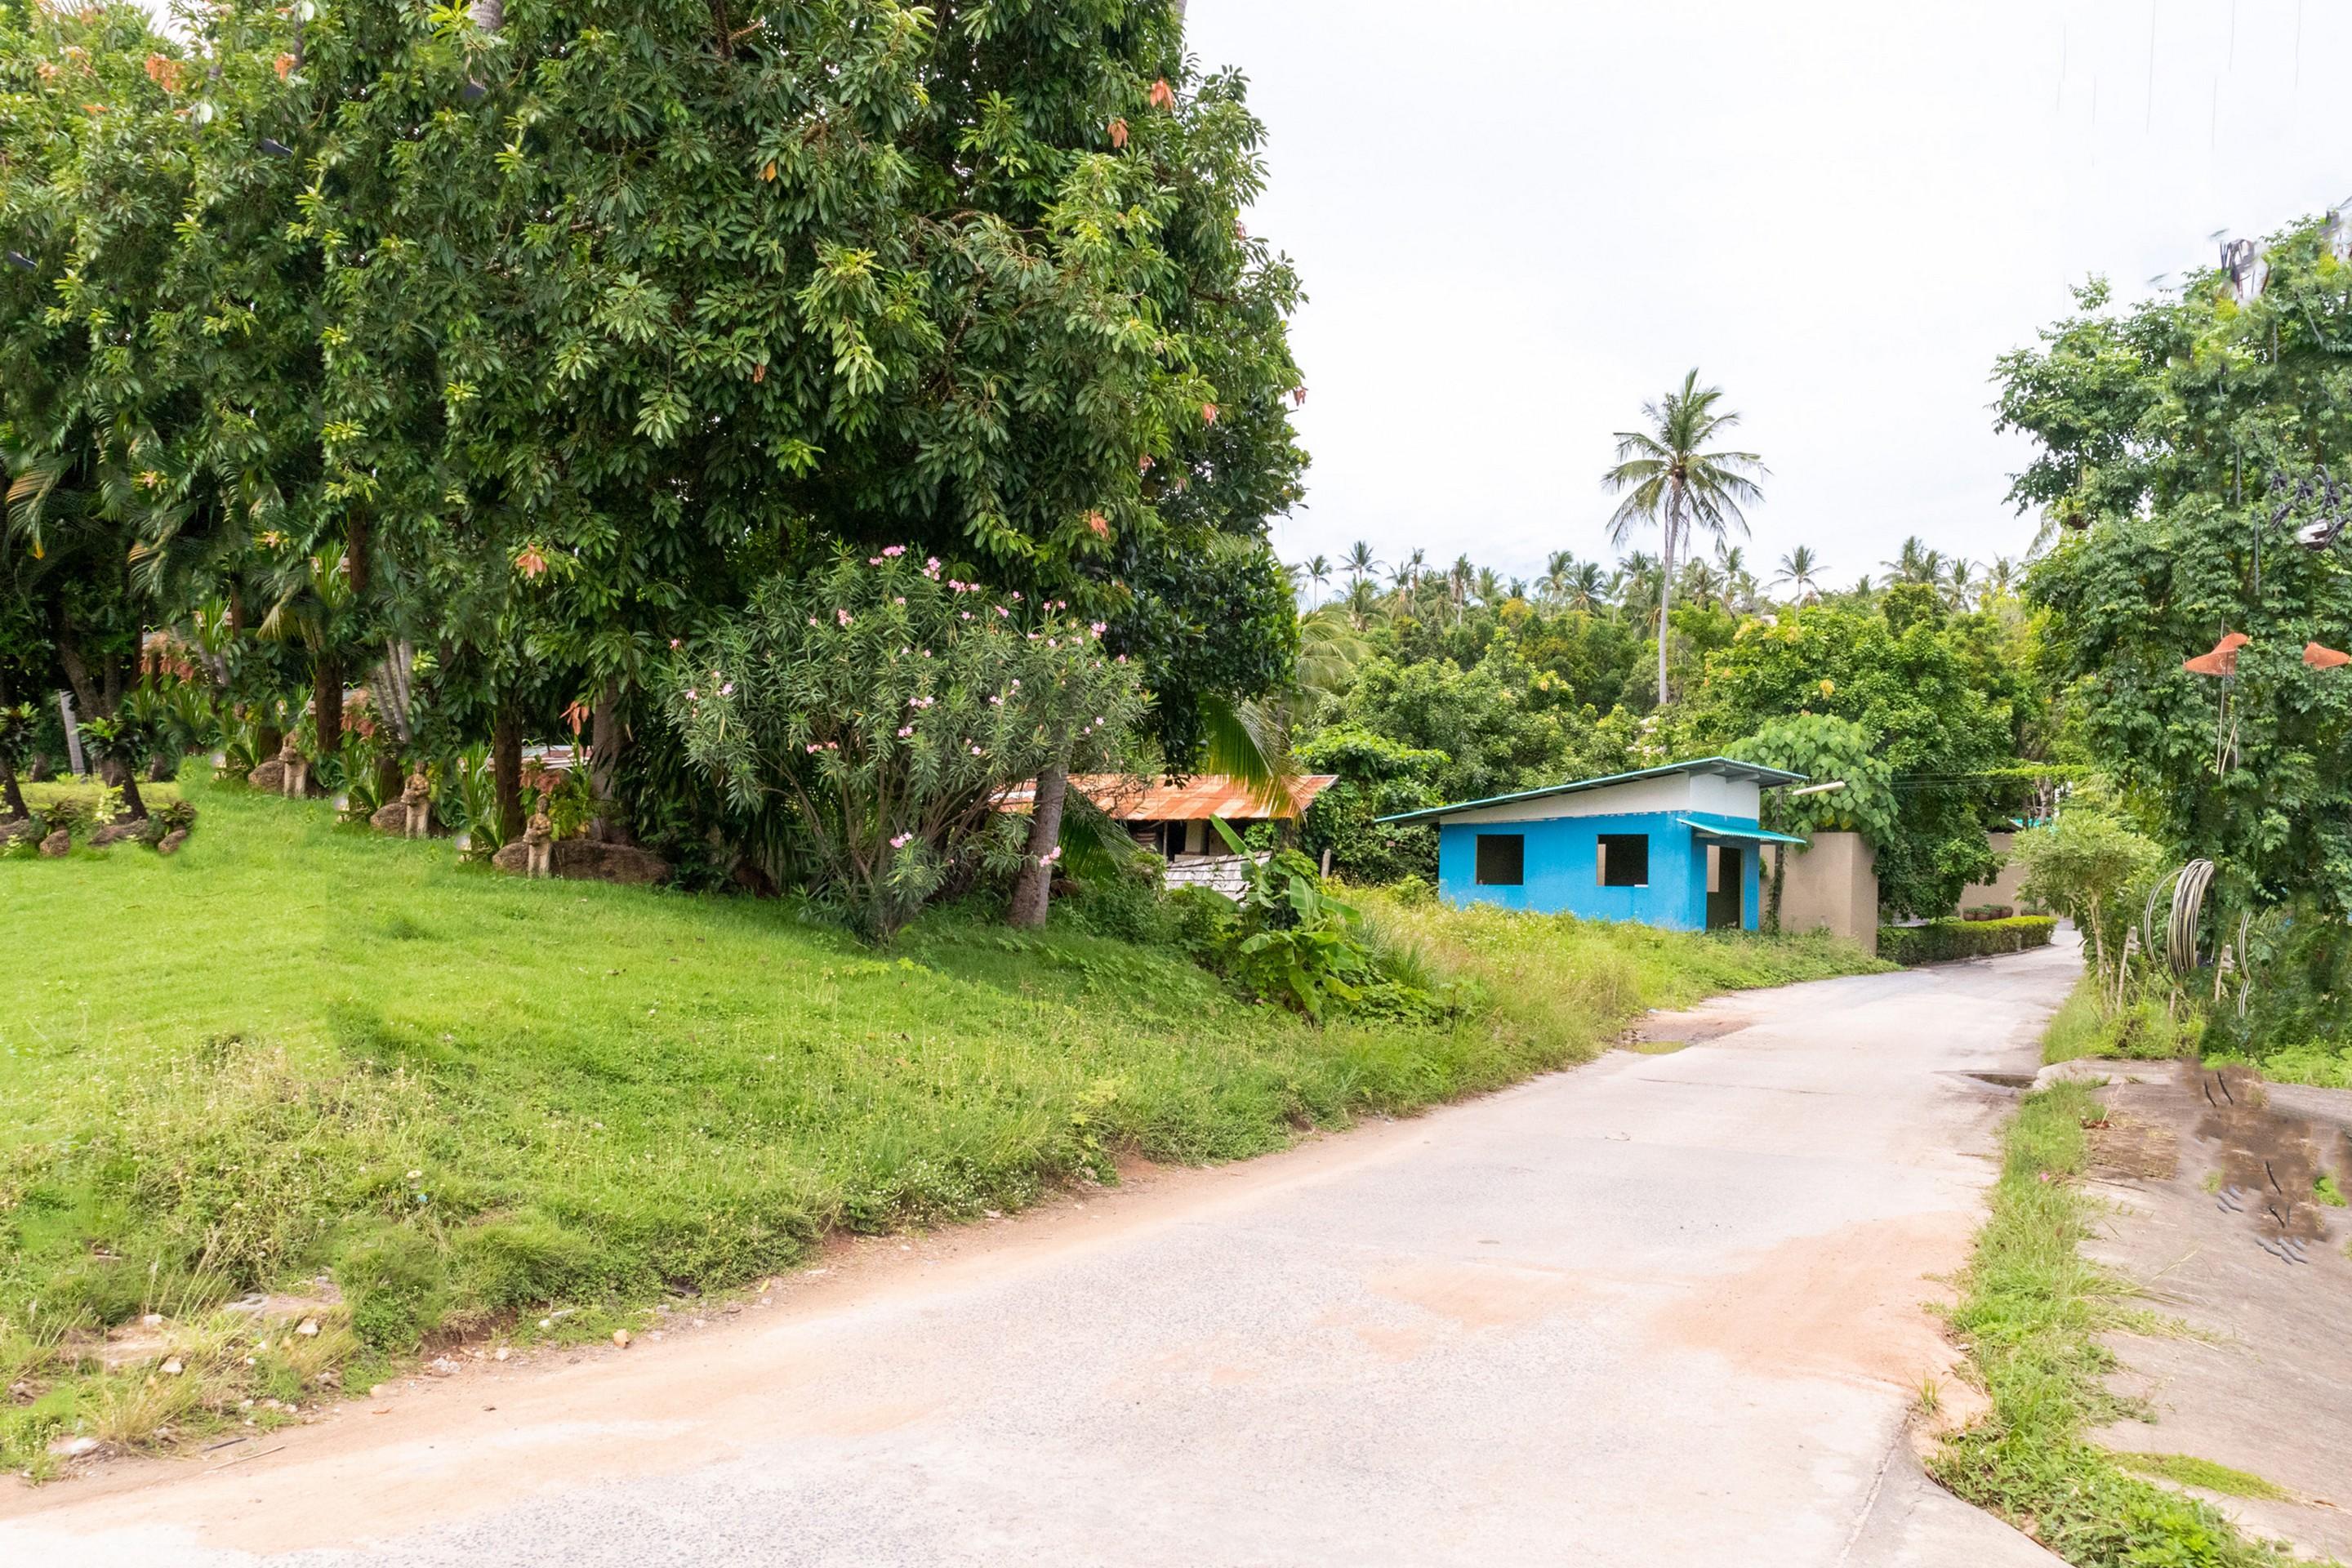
x: 1848, y: 1304
x: 2233, y: 1242
x: 2133, y: 1148
x: 1661, y: 1034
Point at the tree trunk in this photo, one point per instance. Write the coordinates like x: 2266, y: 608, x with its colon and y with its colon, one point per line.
x: 1666, y: 592
x: 506, y: 770
x: 10, y: 792
x: 1035, y: 888
x: 132, y: 806
x: 327, y: 701
x: 605, y: 767
x: 388, y: 779
x: 1780, y: 852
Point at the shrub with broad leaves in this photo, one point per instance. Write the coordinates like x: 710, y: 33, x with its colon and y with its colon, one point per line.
x: 870, y: 716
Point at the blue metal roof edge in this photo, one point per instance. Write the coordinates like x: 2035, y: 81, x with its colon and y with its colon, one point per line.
x: 1769, y: 778
x: 1735, y: 827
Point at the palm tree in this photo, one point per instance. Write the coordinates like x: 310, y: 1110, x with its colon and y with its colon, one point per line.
x: 1670, y: 477
x: 1318, y: 572
x: 1560, y: 568
x: 1915, y: 562
x: 2000, y: 578
x: 1458, y: 578
x: 1359, y: 563
x: 1361, y: 600
x: 1586, y: 588
x: 1636, y: 585
x: 1800, y: 569
x: 1960, y: 584
x: 1702, y: 585
x: 1488, y: 587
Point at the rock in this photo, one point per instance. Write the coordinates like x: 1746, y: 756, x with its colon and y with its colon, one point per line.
x: 330, y: 1378
x: 173, y: 1367
x: 116, y: 833
x: 152, y: 1320
x: 269, y: 777
x: 441, y: 1366
x: 621, y: 1338
x: 73, y: 1447
x: 56, y: 845
x: 379, y: 1390
x: 307, y: 1327
x: 586, y: 860
x: 391, y: 819
x: 500, y: 1353
x: 170, y: 842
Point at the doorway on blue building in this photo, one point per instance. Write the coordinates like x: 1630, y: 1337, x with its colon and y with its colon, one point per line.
x: 1726, y: 880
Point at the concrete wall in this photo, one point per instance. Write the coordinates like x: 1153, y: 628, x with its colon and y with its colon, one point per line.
x: 1831, y: 885
x: 2002, y: 888
x: 1562, y: 871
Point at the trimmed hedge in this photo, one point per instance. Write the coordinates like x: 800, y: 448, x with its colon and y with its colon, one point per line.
x: 1940, y: 940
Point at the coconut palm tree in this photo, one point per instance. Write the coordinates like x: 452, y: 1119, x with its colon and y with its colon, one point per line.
x: 1489, y: 587
x: 1801, y: 572
x: 1361, y: 600
x: 2001, y: 578
x: 1317, y: 571
x: 1458, y: 579
x: 1915, y: 562
x: 1961, y: 585
x: 1587, y: 587
x: 1670, y: 477
x: 1359, y: 563
x: 1558, y: 568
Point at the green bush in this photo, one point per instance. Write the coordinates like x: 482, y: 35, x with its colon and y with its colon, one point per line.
x: 1940, y: 941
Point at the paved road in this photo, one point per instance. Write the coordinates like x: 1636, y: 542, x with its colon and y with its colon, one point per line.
x: 1665, y: 1310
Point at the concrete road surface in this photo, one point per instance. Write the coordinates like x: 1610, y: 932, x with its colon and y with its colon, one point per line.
x: 1663, y: 1309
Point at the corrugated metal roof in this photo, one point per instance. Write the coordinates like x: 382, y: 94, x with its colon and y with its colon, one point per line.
x: 1730, y: 767
x: 1205, y: 795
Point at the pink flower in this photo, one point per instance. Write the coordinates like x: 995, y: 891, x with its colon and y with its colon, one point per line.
x: 899, y: 600
x: 927, y: 653
x: 812, y: 620
x: 673, y: 642
x: 1122, y: 659
x: 728, y: 689
x: 902, y: 841
x: 841, y: 616
x: 1016, y: 683
x: 1016, y: 596
x: 894, y: 550
x: 975, y: 751
x: 995, y: 700
x: 873, y: 560
x: 1033, y: 636
x: 692, y: 695
x: 1002, y: 611
x: 904, y: 730
x: 813, y: 748
x: 965, y: 614
x: 1100, y: 628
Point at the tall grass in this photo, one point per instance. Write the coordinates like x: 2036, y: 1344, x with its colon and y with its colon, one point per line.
x: 297, y: 1049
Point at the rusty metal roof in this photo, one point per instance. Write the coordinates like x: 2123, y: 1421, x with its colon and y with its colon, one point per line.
x: 1154, y: 800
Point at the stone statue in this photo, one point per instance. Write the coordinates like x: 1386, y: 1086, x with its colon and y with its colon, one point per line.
x: 538, y: 847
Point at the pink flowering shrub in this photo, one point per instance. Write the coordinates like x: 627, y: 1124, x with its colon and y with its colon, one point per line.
x: 862, y: 716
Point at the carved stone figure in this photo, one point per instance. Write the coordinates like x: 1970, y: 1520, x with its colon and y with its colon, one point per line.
x: 410, y: 817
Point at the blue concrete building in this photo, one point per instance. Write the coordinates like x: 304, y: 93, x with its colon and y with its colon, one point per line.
x: 1676, y: 847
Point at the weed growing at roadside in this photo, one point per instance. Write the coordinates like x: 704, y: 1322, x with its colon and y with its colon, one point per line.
x: 2030, y: 1308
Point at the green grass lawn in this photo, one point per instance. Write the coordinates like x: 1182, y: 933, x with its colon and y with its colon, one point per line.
x: 297, y: 1047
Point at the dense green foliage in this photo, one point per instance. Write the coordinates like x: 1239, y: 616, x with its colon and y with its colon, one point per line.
x: 2185, y: 444
x: 476, y: 1098
x: 868, y: 717
x: 1938, y: 941
x: 469, y: 356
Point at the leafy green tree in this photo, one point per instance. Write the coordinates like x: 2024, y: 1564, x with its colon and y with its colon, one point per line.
x: 2083, y: 865
x: 870, y: 716
x: 1494, y: 738
x: 93, y: 174
x: 1377, y: 777
x: 1827, y: 751
x: 2183, y: 445
x: 1671, y: 480
x: 1928, y: 709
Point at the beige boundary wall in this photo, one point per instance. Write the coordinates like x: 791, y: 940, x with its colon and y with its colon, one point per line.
x: 2002, y: 888
x: 1831, y: 885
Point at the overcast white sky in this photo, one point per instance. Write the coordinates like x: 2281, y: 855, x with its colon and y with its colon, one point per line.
x: 1517, y: 219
